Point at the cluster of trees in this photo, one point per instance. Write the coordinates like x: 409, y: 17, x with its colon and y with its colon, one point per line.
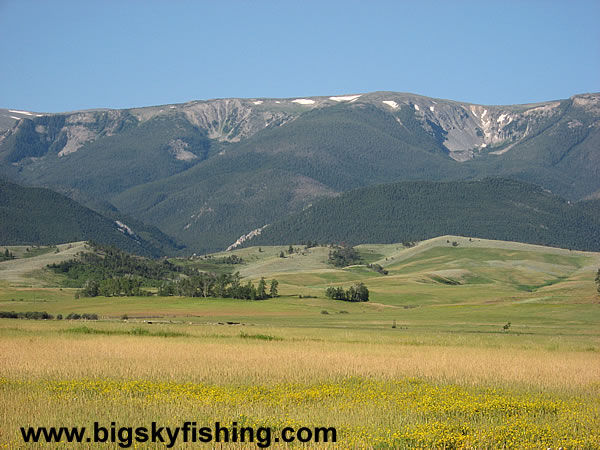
x: 343, y: 256
x: 356, y: 293
x: 108, y: 262
x: 6, y: 255
x: 110, y: 272
x: 598, y: 281
x: 221, y: 285
x: 231, y: 259
x: 32, y: 315
x: 125, y: 286
x: 290, y: 251
x: 309, y: 243
x: 75, y: 316
x: 378, y: 268
x: 43, y: 315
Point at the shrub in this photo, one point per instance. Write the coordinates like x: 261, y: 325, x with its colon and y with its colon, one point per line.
x: 261, y: 337
x: 86, y: 316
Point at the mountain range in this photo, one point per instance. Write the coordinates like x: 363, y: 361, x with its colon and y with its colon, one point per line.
x: 207, y: 172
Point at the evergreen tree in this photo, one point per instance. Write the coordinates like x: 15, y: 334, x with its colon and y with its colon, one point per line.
x: 90, y: 289
x: 220, y: 288
x: 361, y: 293
x: 261, y: 290
x: 251, y: 291
x: 274, y: 292
x: 6, y: 255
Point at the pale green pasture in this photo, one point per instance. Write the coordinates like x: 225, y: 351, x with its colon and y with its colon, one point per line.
x: 539, y: 290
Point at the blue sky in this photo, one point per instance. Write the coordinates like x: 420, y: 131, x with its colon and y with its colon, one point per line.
x: 66, y: 55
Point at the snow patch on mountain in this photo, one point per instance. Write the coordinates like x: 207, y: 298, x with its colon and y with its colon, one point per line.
x: 390, y: 103
x: 304, y: 101
x: 344, y: 98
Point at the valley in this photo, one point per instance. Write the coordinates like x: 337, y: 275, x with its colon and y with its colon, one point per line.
x: 327, y: 225
x: 467, y: 238
x: 456, y: 330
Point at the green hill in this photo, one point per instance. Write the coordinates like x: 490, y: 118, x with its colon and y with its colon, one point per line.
x: 413, y: 211
x: 40, y: 216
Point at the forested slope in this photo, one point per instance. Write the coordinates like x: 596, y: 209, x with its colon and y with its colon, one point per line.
x: 41, y: 216
x: 492, y: 208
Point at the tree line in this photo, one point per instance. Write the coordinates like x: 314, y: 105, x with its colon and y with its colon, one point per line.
x: 222, y: 285
x: 43, y: 315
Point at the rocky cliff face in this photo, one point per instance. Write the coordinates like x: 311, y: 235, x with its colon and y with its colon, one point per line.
x: 465, y: 130
x: 232, y: 120
x: 468, y: 130
x: 63, y: 134
x: 228, y: 120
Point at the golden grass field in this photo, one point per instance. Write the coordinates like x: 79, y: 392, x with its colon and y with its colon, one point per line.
x: 448, y: 376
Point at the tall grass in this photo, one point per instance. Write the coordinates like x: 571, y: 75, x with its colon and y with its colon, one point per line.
x: 379, y: 391
x: 137, y: 331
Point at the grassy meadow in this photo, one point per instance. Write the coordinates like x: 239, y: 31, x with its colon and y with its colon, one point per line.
x: 429, y: 362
